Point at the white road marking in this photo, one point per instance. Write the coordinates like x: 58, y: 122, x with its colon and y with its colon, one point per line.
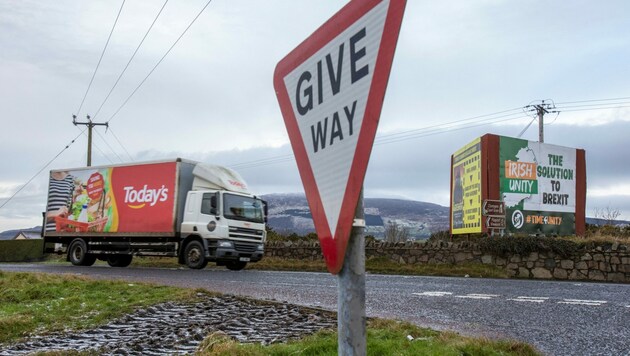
x: 583, y: 302
x: 433, y: 294
x: 530, y: 299
x: 477, y: 296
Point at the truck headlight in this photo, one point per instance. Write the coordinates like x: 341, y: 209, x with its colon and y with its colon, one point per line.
x: 226, y: 244
x: 261, y: 247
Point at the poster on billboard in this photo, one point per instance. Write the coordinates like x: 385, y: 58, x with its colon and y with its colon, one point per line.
x: 537, y: 184
x: 466, y: 189
x: 128, y: 199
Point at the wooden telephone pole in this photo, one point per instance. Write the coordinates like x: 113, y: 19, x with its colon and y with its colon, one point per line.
x: 90, y: 124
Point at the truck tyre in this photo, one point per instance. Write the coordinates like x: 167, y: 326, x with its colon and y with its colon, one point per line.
x: 235, y: 266
x: 119, y: 260
x: 195, y: 256
x: 77, y: 254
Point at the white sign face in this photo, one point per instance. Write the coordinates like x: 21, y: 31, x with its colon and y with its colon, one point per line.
x: 329, y: 93
x: 542, y: 176
x: 331, y: 90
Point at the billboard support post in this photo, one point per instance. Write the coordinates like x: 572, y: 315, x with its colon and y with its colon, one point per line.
x: 351, y: 326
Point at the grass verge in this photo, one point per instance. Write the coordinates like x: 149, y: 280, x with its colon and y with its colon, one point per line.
x: 41, y: 303
x: 385, y: 337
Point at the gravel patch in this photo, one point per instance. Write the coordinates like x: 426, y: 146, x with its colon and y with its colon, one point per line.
x: 175, y: 328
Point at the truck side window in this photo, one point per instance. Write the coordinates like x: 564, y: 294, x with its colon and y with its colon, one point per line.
x: 209, y: 204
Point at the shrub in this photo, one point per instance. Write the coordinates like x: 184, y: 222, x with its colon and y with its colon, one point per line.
x: 506, y: 246
x: 21, y: 250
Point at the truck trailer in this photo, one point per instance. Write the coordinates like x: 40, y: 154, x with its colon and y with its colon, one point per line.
x: 194, y: 211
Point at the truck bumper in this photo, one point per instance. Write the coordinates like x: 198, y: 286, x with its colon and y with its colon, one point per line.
x: 229, y: 254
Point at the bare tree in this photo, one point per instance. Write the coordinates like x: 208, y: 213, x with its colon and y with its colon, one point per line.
x: 395, y: 232
x: 608, y: 214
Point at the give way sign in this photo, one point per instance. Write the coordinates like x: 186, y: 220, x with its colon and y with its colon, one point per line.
x: 331, y: 90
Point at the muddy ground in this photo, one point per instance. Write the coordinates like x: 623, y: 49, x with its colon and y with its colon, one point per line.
x: 173, y: 328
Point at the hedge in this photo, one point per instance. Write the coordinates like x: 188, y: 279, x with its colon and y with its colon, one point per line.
x: 21, y: 250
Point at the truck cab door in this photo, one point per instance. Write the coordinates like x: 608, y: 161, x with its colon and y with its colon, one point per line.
x: 209, y: 212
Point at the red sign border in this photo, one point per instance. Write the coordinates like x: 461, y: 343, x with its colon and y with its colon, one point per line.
x: 334, y: 248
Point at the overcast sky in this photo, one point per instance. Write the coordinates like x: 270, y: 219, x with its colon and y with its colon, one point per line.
x: 212, y: 98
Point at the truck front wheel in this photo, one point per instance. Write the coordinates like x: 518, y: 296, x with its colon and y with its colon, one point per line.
x: 195, y: 256
x: 77, y: 254
x: 119, y: 260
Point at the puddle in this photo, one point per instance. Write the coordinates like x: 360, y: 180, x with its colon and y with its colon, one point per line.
x: 172, y: 328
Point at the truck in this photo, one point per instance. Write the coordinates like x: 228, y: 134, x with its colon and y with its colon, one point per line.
x: 196, y: 212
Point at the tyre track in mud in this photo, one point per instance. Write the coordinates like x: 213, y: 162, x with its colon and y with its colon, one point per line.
x: 177, y: 328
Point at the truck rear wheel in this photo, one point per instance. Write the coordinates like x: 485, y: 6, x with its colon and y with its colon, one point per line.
x: 235, y: 266
x: 119, y: 260
x: 195, y: 256
x: 77, y: 254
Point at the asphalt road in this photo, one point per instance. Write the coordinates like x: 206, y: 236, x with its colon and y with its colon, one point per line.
x: 559, y: 318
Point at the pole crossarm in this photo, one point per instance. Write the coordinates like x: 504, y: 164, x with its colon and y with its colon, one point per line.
x: 90, y: 124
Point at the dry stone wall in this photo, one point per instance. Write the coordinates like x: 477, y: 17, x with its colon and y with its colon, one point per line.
x: 602, y: 263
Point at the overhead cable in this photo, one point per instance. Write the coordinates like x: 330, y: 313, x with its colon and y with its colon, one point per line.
x: 130, y: 60
x: 100, y: 59
x: 120, y: 143
x: 40, y: 171
x: 158, y: 63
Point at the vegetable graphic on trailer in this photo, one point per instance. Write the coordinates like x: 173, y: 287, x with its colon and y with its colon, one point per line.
x: 331, y: 90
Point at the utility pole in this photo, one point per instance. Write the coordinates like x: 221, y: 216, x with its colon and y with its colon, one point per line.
x: 90, y: 125
x: 541, y: 109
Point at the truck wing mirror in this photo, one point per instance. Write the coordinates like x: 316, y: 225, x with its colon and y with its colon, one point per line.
x: 265, y: 211
x: 214, y: 210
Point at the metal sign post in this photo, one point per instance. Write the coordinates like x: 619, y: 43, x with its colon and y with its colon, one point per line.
x: 351, y: 291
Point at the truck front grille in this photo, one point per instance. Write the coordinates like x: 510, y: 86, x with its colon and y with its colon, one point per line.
x: 245, y: 247
x: 245, y: 233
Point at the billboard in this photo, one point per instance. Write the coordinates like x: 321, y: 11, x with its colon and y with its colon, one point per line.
x: 128, y: 199
x: 538, y: 186
x: 541, y: 186
x: 466, y: 189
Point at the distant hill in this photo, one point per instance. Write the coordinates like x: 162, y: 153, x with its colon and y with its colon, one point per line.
x: 599, y: 221
x: 290, y: 213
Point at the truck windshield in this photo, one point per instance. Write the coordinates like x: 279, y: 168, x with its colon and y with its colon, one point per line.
x: 238, y: 207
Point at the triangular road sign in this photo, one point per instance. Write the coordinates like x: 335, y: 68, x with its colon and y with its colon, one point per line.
x: 331, y: 90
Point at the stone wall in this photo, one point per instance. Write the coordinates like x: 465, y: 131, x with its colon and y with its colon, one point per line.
x: 603, y: 263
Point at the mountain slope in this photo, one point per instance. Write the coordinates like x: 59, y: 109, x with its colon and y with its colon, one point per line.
x: 290, y: 213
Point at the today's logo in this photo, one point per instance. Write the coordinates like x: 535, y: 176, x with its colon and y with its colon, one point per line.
x: 138, y: 198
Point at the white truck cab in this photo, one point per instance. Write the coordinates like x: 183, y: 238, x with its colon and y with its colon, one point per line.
x: 229, y: 220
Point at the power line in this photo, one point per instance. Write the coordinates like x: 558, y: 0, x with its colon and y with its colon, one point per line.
x: 438, y: 128
x: 593, y: 100
x: 444, y: 130
x: 108, y: 145
x: 120, y: 143
x: 408, y: 133
x: 602, y: 108
x: 40, y: 171
x: 160, y: 61
x: 382, y: 140
x: 130, y: 59
x: 100, y: 59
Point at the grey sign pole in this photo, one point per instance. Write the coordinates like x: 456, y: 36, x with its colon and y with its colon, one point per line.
x: 351, y: 297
